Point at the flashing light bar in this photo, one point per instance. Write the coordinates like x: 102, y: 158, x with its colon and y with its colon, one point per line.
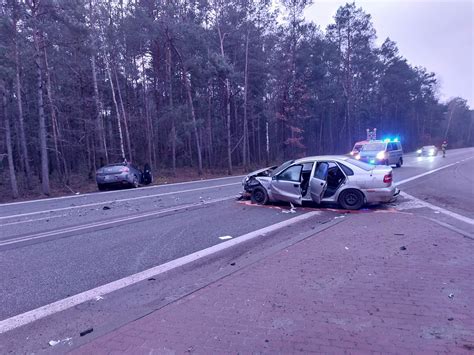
x: 388, y: 140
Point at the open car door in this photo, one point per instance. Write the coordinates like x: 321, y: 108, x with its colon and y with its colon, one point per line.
x: 318, y: 182
x: 286, y: 186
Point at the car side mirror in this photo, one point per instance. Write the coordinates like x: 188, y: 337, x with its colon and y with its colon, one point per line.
x: 274, y: 178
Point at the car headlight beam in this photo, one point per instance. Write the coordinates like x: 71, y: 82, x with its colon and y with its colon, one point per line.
x: 380, y: 155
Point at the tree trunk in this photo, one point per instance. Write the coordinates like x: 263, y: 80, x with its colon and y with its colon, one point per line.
x: 114, y: 99
x: 227, y: 90
x: 8, y: 141
x: 100, y: 124
x: 24, y: 148
x: 54, y: 120
x: 173, y: 120
x: 42, y: 122
x: 125, y: 120
x: 187, y: 83
x: 209, y: 126
x: 187, y: 86
x: 245, y: 147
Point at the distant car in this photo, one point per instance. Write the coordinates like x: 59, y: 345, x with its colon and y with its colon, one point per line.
x: 122, y: 174
x: 336, y: 179
x: 427, y: 151
x: 357, y: 147
x: 384, y: 152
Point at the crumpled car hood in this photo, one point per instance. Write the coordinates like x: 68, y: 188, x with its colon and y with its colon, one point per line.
x: 260, y: 172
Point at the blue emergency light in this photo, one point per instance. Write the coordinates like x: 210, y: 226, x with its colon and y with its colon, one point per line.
x: 390, y: 140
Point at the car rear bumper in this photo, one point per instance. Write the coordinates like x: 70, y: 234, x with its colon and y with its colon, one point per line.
x: 382, y: 195
x: 114, y: 180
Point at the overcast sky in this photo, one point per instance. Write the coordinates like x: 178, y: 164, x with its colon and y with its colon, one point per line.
x: 431, y: 33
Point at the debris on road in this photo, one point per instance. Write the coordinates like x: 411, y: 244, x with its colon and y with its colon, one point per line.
x: 346, y: 248
x: 399, y: 233
x: 87, y: 331
x: 451, y: 319
x: 403, y: 248
x: 56, y: 342
x: 232, y: 264
x: 151, y: 279
x: 291, y: 210
x: 451, y: 295
x: 106, y: 208
x: 98, y: 298
x: 225, y: 237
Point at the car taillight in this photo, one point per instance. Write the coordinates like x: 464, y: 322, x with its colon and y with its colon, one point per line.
x: 125, y: 170
x: 387, y: 178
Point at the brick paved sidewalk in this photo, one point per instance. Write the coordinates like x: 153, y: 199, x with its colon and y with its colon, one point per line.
x: 407, y: 288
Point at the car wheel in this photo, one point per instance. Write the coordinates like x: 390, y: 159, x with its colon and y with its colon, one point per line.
x: 400, y: 163
x: 101, y: 187
x: 351, y: 199
x: 135, y: 182
x: 260, y: 196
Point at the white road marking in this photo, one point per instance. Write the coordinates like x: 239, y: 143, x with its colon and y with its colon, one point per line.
x: 107, y: 223
x: 114, y: 201
x: 31, y: 220
x: 225, y: 237
x: 69, y: 302
x: 424, y: 174
x: 420, y: 203
x: 118, y: 191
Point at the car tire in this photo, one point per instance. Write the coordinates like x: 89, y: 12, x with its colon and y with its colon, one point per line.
x: 101, y: 187
x: 135, y: 182
x: 351, y: 199
x: 400, y: 163
x: 259, y: 196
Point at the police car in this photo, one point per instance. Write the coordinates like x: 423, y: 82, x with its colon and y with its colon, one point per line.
x: 382, y: 152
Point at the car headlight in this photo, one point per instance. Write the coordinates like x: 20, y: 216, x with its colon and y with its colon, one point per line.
x: 380, y: 155
x: 432, y: 151
x: 419, y: 151
x: 357, y: 156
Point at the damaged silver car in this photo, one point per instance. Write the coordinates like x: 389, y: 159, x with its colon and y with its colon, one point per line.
x: 333, y: 179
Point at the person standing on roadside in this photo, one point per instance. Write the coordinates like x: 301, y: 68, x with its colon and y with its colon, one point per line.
x: 444, y: 146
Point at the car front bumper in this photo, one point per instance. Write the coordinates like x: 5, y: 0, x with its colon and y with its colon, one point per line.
x: 372, y: 160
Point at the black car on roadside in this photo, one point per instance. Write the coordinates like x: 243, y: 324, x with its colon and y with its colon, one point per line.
x: 122, y: 175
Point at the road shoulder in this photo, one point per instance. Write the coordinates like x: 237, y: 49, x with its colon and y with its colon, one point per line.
x: 348, y: 288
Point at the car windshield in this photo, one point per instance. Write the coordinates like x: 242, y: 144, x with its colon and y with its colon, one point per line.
x: 282, y: 167
x: 357, y: 147
x: 370, y: 147
x: 360, y: 164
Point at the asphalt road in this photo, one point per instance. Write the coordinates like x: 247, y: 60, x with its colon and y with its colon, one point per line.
x: 52, y: 249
